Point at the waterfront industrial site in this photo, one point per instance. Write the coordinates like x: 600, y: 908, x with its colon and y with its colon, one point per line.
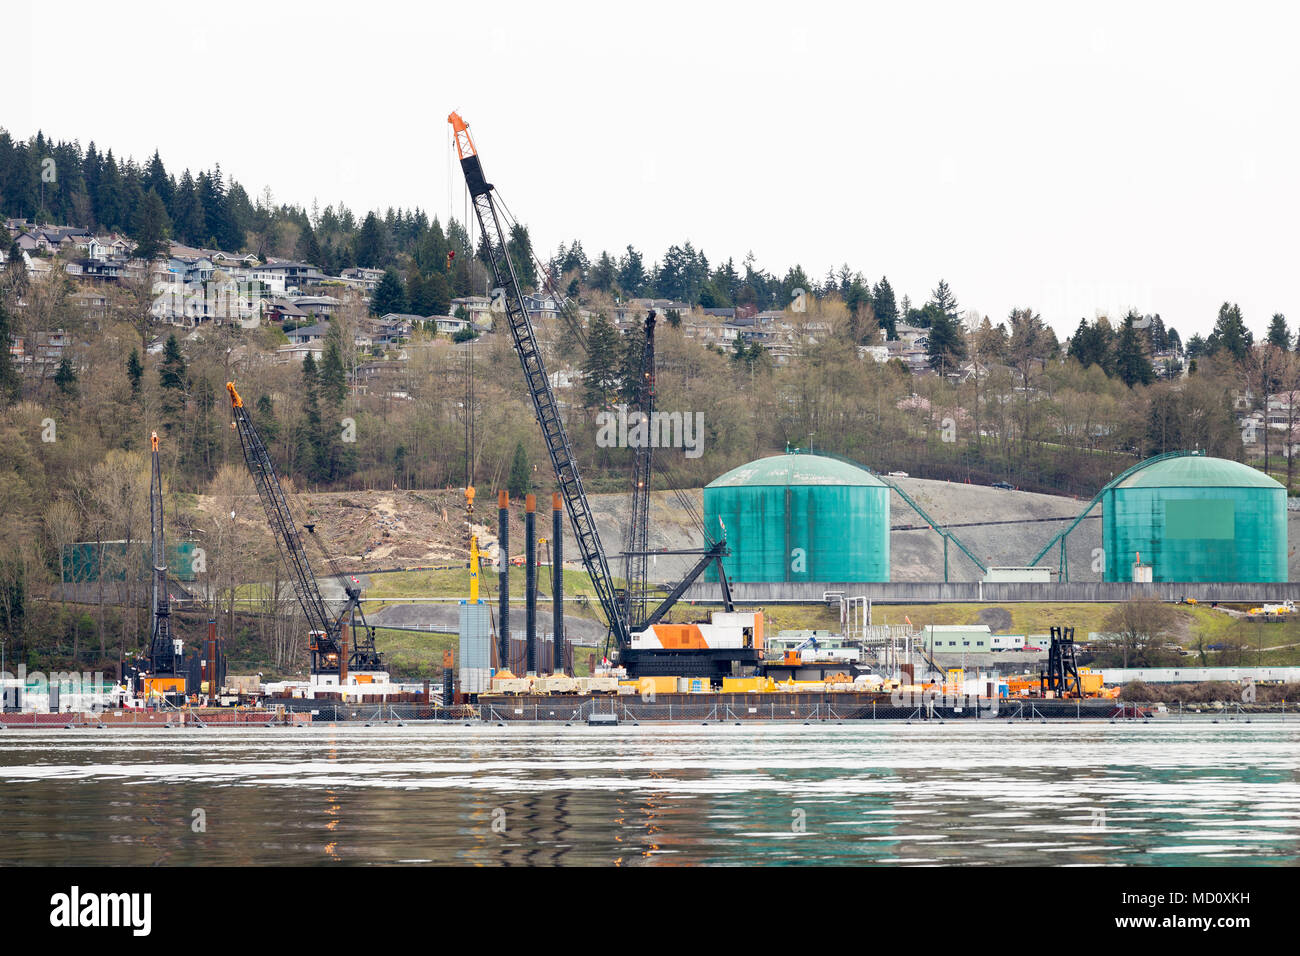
x: 685, y: 611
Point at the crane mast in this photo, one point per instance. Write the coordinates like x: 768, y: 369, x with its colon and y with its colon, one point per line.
x: 326, y: 638
x: 637, y: 561
x: 539, y: 386
x: 162, y: 650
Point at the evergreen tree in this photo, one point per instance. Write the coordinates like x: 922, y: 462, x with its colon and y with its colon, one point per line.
x: 1131, y: 359
x: 268, y: 426
x: 861, y: 306
x: 171, y: 371
x: 795, y: 279
x: 521, y: 475
x: 1090, y: 345
x: 134, y: 371
x: 308, y: 249
x: 66, y: 378
x: 1159, y: 336
x: 431, y: 251
x: 429, y: 294
x: 389, y: 296
x: 157, y: 180
x: 10, y: 383
x: 172, y: 378
x: 371, y: 247
x: 151, y: 227
x: 332, y: 376
x: 311, y: 447
x: 886, y: 309
x: 1230, y: 333
x: 110, y: 200
x: 1278, y: 333
x: 221, y: 228
x: 944, y: 300
x: 573, y: 259
x: 601, y: 366
x: 604, y: 273
x: 520, y: 248
x: 632, y: 274
x: 630, y: 365
x: 200, y: 453
x: 188, y: 219
x: 946, y: 345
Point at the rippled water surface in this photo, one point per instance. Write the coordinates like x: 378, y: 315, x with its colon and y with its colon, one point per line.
x: 1059, y: 793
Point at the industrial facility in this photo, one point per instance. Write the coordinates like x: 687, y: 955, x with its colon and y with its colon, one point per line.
x: 792, y: 528
x: 801, y: 517
x: 1194, y: 518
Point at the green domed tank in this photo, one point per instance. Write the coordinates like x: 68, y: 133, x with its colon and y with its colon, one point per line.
x: 800, y: 517
x: 1194, y: 518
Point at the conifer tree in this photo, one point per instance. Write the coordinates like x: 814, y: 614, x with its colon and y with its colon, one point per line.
x: 134, y: 371
x: 601, y: 365
x: 1278, y: 332
x: 1230, y: 333
x: 886, y: 309
x: 1131, y: 359
x: 10, y: 383
x: 389, y: 296
x: 150, y: 227
x: 66, y: 378
x: 521, y: 475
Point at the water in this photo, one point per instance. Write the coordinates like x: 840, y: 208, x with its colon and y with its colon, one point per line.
x: 994, y: 793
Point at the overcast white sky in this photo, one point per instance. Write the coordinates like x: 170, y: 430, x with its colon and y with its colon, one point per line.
x: 1074, y: 158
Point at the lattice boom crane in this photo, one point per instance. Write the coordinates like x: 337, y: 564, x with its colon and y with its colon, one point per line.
x: 539, y: 385
x: 326, y: 642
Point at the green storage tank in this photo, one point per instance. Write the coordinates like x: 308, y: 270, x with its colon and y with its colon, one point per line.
x: 1195, y: 518
x: 800, y: 517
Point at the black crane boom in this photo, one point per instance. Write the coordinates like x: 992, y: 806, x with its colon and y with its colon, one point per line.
x: 637, y: 561
x: 539, y: 386
x: 325, y: 643
x: 162, y: 651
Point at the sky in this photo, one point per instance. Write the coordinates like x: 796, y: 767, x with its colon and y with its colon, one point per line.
x: 1074, y: 159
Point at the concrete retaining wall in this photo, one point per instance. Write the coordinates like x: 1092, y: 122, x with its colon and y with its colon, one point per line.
x: 975, y: 592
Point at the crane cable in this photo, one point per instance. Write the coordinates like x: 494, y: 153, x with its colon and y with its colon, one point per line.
x: 573, y: 321
x: 686, y: 501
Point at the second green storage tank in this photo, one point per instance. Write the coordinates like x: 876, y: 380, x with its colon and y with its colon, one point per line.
x: 1195, y: 518
x: 800, y: 517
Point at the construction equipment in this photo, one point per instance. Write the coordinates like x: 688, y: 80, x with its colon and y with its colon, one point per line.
x: 166, y: 672
x: 558, y: 447
x: 1273, y: 612
x: 636, y: 557
x: 1061, y: 678
x: 363, y: 633
x: 539, y: 386
x: 636, y: 561
x: 331, y: 657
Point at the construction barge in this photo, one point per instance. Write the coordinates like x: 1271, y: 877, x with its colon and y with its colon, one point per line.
x: 595, y: 709
x: 793, y: 706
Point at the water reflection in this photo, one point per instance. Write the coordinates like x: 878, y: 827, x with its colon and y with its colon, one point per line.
x: 899, y: 794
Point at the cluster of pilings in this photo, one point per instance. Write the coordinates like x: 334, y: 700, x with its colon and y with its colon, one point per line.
x: 534, y: 658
